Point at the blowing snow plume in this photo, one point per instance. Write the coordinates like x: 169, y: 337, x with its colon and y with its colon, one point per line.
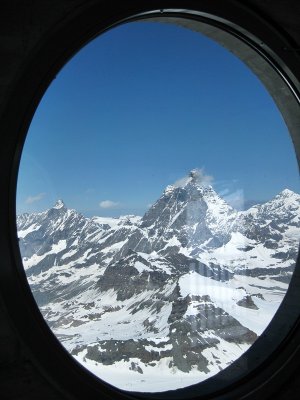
x: 197, y: 175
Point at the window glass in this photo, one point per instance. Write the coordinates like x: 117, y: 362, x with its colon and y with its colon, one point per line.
x: 158, y: 207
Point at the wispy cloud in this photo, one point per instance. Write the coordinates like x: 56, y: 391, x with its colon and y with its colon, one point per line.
x: 224, y: 192
x: 236, y: 199
x: 109, y: 204
x: 198, y: 174
x: 33, y: 199
x: 181, y: 182
x: 232, y: 192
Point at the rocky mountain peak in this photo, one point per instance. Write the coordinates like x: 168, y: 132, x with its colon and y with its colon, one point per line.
x: 59, y: 204
x: 287, y: 193
x: 184, y: 203
x: 195, y: 175
x: 169, y: 190
x: 193, y: 182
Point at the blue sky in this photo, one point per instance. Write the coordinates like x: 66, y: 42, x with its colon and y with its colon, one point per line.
x: 136, y: 110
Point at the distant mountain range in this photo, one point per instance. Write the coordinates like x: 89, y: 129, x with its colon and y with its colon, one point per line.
x: 165, y: 300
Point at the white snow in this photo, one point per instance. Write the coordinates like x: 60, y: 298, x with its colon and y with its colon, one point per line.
x: 173, y: 242
x: 58, y: 247
x: 115, y: 247
x: 141, y: 267
x: 69, y: 254
x: 31, y: 228
x: 112, y: 222
x: 226, y: 295
x: 154, y: 379
x: 35, y: 259
x: 92, y: 316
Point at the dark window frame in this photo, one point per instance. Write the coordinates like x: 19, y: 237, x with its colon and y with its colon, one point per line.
x: 43, y: 63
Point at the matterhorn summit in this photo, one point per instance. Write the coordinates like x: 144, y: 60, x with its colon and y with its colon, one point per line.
x: 59, y: 204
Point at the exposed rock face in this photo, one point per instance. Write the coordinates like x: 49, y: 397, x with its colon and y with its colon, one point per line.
x: 182, y: 287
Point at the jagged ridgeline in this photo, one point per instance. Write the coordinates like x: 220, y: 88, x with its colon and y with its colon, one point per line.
x: 165, y: 300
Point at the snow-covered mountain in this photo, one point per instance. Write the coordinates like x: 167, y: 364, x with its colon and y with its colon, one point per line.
x: 166, y: 300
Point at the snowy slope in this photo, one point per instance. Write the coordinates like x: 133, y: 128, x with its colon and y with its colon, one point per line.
x: 164, y: 300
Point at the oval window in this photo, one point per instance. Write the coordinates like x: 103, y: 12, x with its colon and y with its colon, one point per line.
x: 158, y: 207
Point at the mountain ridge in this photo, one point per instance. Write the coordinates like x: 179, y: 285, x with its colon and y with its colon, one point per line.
x: 185, y: 289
